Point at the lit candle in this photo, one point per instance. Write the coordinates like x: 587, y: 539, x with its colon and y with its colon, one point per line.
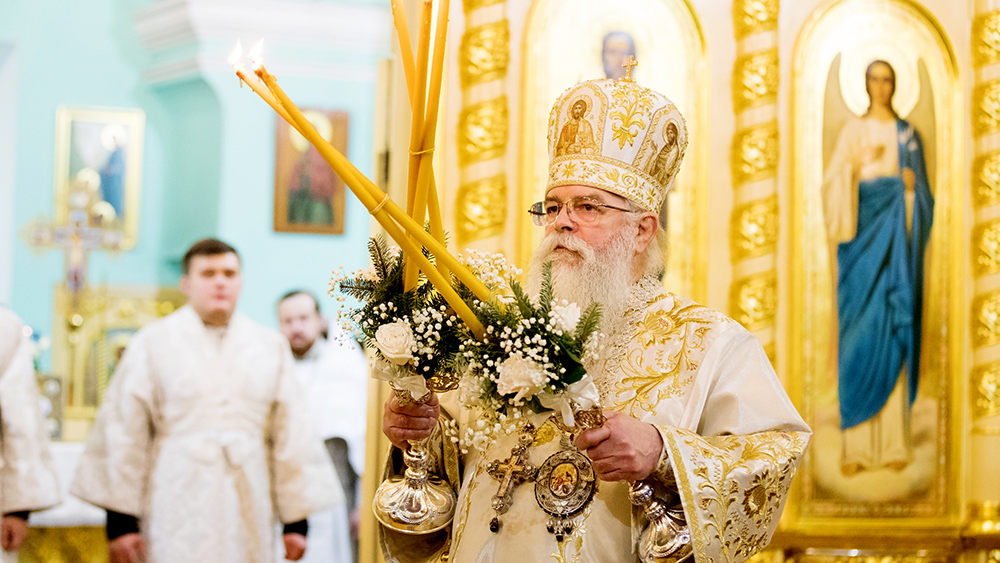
x: 380, y: 210
x: 253, y: 82
x: 357, y: 181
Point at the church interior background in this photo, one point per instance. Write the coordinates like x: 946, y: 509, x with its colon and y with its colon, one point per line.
x: 125, y: 136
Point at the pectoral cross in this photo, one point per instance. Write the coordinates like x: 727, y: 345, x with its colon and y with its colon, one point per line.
x: 511, y: 472
x: 628, y: 65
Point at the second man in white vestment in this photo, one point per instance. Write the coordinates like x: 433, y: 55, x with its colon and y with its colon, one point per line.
x: 333, y: 373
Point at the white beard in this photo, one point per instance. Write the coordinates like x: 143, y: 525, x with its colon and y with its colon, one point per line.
x: 588, y: 275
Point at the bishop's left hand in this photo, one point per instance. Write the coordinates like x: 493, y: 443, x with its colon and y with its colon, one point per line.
x: 295, y: 546
x: 625, y: 448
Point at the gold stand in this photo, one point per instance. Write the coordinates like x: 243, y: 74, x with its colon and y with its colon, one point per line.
x: 415, y: 502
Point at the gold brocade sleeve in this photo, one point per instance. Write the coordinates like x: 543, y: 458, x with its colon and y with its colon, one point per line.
x: 733, y: 488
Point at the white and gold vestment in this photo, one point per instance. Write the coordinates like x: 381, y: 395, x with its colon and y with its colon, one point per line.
x: 27, y: 475
x: 732, y: 441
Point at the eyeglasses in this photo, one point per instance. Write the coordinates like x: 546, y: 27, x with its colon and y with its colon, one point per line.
x: 585, y: 210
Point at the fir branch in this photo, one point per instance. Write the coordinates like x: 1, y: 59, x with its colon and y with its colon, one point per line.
x: 378, y: 248
x: 546, y: 295
x: 589, y: 322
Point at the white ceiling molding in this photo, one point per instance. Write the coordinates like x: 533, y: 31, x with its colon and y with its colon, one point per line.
x: 187, y: 68
x: 169, y: 24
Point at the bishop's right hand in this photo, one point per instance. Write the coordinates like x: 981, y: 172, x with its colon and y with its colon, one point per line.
x: 410, y: 421
x: 127, y: 548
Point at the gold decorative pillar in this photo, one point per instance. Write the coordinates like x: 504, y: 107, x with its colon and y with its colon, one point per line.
x: 753, y: 234
x: 984, y: 386
x: 484, y: 55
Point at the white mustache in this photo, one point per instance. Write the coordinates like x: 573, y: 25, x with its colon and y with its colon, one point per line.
x: 567, y: 241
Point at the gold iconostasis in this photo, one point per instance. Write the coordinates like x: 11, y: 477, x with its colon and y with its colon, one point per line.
x: 774, y: 96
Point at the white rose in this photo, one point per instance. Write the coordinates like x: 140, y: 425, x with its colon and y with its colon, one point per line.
x: 566, y: 316
x: 521, y: 376
x: 369, y: 274
x: 395, y: 341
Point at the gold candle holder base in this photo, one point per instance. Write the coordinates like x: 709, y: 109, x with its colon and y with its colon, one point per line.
x: 416, y: 502
x: 667, y: 538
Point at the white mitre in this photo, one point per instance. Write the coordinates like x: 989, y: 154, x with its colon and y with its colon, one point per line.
x: 630, y: 127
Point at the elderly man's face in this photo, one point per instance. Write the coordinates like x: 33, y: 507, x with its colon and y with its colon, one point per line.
x: 598, y: 235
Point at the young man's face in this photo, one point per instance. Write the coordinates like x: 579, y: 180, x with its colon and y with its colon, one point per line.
x: 212, y: 286
x: 300, y: 322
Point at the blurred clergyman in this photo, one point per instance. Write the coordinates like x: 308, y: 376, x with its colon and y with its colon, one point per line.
x: 27, y: 477
x: 202, y: 441
x: 333, y: 372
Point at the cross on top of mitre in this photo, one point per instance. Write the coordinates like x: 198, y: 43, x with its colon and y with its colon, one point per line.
x: 628, y: 65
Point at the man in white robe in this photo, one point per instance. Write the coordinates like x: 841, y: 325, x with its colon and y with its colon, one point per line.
x: 202, y: 439
x: 28, y: 480
x: 333, y: 373
x: 694, y: 409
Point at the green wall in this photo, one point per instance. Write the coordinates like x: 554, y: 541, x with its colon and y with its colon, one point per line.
x: 208, y: 165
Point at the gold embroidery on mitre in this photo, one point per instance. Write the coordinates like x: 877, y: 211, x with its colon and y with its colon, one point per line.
x: 616, y: 136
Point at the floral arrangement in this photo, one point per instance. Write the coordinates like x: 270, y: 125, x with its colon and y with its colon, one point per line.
x: 414, y: 334
x: 531, y: 359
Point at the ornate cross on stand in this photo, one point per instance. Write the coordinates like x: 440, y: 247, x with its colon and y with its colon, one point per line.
x: 76, y: 237
x: 511, y: 472
x: 90, y: 224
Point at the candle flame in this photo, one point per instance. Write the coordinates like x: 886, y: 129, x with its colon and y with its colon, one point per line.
x: 256, y: 53
x: 236, y: 55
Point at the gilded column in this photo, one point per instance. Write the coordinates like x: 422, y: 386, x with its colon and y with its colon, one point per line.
x: 484, y: 55
x: 984, y: 385
x: 753, y: 233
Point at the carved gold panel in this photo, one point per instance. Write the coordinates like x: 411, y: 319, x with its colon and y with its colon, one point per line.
x: 564, y: 42
x: 986, y: 248
x: 756, y: 152
x: 755, y: 80
x: 755, y: 16
x: 838, y: 41
x: 482, y: 131
x: 985, y: 390
x: 902, y: 555
x: 986, y: 101
x: 482, y: 208
x: 484, y: 53
x: 986, y: 319
x: 88, y: 341
x: 753, y: 300
x: 472, y: 5
x: 986, y: 38
x: 986, y: 178
x: 754, y: 228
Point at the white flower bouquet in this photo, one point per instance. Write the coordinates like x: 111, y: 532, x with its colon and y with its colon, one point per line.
x: 530, y: 360
x: 414, y: 334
